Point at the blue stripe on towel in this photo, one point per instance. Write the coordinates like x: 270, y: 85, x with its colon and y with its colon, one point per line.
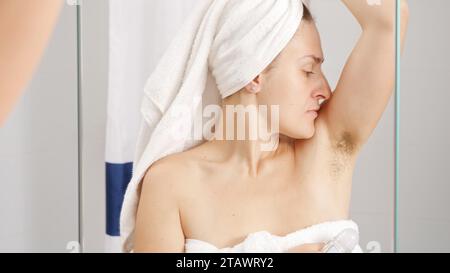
x: 117, y: 178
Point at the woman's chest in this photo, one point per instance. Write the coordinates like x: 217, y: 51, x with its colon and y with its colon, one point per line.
x: 225, y: 212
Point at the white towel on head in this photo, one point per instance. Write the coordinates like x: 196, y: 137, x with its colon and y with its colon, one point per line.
x: 226, y: 41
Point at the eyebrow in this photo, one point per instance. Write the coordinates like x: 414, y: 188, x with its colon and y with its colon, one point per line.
x: 316, y: 59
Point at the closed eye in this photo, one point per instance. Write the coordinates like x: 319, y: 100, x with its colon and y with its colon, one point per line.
x: 309, y: 69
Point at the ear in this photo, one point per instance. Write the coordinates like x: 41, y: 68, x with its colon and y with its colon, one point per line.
x: 254, y: 86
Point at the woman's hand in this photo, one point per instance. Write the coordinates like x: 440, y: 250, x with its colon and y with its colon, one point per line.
x: 374, y: 13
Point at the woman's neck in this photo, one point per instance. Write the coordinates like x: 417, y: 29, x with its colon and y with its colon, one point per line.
x: 237, y: 142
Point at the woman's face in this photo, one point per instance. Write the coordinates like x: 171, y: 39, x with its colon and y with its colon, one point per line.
x: 295, y: 82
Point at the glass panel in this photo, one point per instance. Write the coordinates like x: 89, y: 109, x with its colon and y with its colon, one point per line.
x: 424, y: 185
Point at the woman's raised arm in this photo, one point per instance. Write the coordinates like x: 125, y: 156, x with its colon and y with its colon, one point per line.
x: 367, y: 81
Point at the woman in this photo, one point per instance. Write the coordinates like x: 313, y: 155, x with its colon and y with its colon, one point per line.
x: 225, y: 191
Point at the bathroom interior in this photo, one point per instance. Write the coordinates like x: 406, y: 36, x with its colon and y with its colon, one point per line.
x: 53, y: 145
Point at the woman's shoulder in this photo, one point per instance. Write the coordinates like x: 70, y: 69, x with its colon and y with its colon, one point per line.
x: 185, y: 161
x: 178, y: 171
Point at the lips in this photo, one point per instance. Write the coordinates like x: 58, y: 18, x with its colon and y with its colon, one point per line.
x: 313, y: 113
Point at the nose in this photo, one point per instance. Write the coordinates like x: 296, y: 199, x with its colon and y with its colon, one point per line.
x: 323, y: 90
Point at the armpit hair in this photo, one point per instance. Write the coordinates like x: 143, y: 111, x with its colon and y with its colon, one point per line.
x: 345, y: 144
x: 343, y: 148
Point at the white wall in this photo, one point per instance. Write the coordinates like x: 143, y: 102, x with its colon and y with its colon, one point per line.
x: 424, y: 200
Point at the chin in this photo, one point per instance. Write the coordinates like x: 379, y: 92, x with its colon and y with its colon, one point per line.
x: 310, y: 131
x: 305, y: 133
x: 310, y: 134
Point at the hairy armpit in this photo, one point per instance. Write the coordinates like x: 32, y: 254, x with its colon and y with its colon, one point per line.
x: 343, y: 151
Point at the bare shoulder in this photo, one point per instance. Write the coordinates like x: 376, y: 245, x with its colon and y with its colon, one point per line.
x: 171, y: 172
x: 158, y: 225
x: 174, y: 173
x: 158, y: 221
